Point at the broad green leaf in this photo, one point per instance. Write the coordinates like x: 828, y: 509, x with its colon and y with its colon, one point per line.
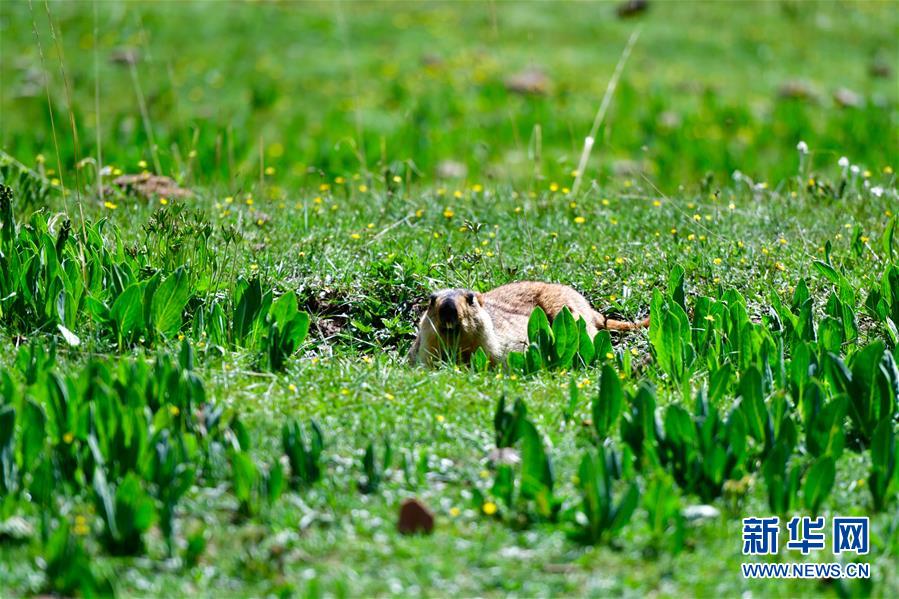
x: 883, y: 464
x: 298, y: 329
x: 801, y: 294
x: 847, y: 291
x: 541, y: 339
x: 752, y: 403
x: 565, y: 334
x: 719, y: 382
x: 169, y: 301
x: 777, y: 479
x: 61, y: 301
x: 244, y: 475
x: 679, y: 428
x: 127, y: 311
x: 830, y: 334
x: 517, y: 362
x: 283, y: 310
x: 869, y: 390
x: 538, y: 323
x: 608, y: 402
x: 33, y: 434
x: 96, y: 309
x: 7, y: 449
x: 479, y: 360
x: 818, y: 483
x: 825, y: 426
x: 275, y: 482
x: 889, y: 233
x: 536, y: 470
x: 504, y: 485
x: 247, y: 311
x: 586, y: 351
x: 625, y: 508
x: 134, y: 508
x: 573, y: 398
x: 602, y: 345
x: 150, y: 288
x: 676, y: 286
x: 534, y: 361
x: 106, y: 501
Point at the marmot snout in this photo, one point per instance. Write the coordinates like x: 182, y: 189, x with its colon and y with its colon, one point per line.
x: 452, y: 308
x: 459, y: 321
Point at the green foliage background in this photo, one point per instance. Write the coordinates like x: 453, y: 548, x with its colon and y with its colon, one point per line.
x: 315, y: 138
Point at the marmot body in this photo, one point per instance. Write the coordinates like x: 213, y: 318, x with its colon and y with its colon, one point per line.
x: 459, y: 321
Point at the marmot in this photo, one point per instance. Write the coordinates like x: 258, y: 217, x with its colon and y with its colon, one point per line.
x: 459, y: 321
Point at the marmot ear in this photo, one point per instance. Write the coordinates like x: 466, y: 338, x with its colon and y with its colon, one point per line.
x: 469, y: 296
x: 480, y: 298
x: 432, y: 299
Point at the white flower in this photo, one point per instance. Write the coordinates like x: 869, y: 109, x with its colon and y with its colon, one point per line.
x: 106, y: 171
x: 843, y: 162
x: 802, y: 147
x: 877, y: 191
x: 854, y: 168
x: 737, y: 176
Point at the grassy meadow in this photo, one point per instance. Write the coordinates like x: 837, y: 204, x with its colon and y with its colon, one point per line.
x: 204, y: 387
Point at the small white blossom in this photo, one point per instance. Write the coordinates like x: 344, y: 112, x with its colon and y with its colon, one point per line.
x: 843, y: 162
x: 877, y: 191
x: 854, y: 168
x: 737, y: 176
x: 802, y: 147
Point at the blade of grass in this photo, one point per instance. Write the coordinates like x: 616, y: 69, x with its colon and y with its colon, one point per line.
x: 603, y: 108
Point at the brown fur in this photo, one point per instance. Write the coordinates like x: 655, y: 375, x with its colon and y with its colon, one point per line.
x: 459, y: 321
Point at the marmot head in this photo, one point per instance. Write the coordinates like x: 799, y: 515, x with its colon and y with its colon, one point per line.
x: 454, y: 326
x: 456, y: 312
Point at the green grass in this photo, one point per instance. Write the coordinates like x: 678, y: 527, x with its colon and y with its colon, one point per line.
x: 339, y: 88
x: 369, y: 92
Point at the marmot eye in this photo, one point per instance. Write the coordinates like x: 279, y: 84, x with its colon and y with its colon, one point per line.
x: 470, y: 297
